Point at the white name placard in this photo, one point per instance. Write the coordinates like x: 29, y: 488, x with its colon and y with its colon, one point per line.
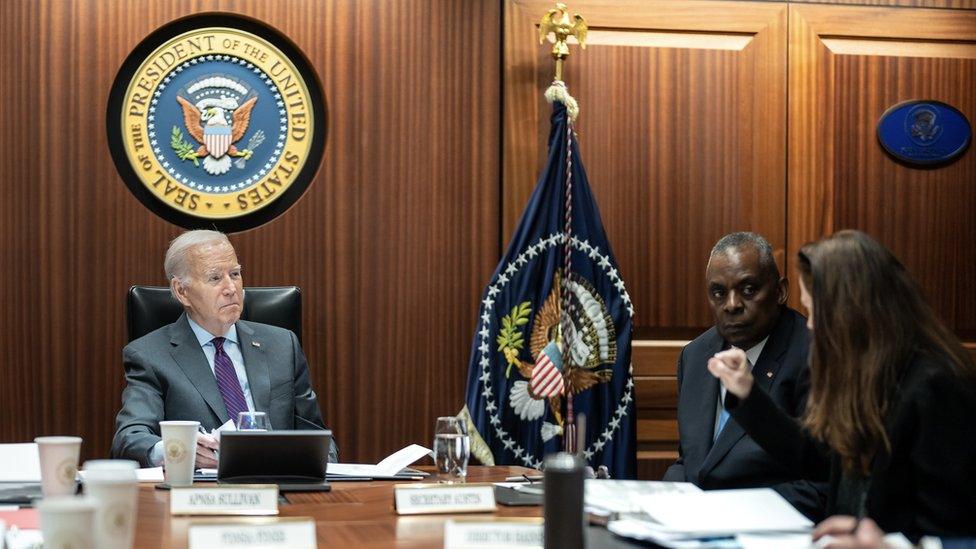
x: 493, y: 534
x: 297, y: 533
x: 250, y: 499
x: 418, y: 499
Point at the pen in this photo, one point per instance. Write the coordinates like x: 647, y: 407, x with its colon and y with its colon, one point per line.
x: 862, y: 507
x: 524, y: 478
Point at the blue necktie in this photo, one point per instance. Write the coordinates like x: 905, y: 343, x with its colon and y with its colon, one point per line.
x: 227, y: 382
x: 723, y: 417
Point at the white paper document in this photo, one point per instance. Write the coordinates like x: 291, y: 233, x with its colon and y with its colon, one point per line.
x: 774, y: 541
x: 151, y: 474
x: 229, y: 426
x: 603, y: 497
x: 643, y: 530
x: 19, y: 463
x: 803, y: 541
x: 386, y: 468
x: 722, y: 512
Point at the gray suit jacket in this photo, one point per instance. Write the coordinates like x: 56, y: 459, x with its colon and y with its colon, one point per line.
x: 168, y: 377
x: 734, y: 460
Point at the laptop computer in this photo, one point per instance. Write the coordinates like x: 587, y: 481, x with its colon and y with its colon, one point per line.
x: 294, y: 460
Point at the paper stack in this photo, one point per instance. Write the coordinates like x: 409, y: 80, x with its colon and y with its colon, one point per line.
x: 19, y: 463
x: 710, y: 519
x: 389, y: 468
x: 605, y: 497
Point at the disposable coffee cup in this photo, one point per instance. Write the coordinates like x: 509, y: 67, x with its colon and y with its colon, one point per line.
x: 112, y: 485
x: 179, y: 451
x: 66, y: 522
x: 59, y: 464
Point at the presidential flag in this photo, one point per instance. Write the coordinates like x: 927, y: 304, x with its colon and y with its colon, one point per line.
x: 553, y: 337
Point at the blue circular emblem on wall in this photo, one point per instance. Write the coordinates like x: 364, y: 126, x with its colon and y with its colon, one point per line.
x: 924, y: 133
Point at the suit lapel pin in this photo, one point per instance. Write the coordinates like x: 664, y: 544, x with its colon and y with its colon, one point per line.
x: 258, y: 345
x: 769, y: 374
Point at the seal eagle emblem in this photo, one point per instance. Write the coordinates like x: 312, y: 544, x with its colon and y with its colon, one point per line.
x: 593, y: 348
x: 207, y: 121
x: 216, y: 121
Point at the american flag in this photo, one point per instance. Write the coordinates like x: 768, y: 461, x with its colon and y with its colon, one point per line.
x: 547, y: 377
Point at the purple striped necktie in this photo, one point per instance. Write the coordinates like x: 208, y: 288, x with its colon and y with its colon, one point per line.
x: 227, y: 382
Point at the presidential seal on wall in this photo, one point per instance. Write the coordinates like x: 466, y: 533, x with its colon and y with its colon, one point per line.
x: 924, y: 134
x: 216, y: 121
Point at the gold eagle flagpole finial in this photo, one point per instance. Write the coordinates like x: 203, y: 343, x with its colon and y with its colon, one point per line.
x: 558, y: 22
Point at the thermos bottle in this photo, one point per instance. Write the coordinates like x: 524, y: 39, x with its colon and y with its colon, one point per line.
x: 563, y: 501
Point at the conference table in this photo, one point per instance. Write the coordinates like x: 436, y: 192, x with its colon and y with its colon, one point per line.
x: 352, y: 514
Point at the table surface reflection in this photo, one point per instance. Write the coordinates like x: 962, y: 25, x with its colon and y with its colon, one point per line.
x: 353, y: 514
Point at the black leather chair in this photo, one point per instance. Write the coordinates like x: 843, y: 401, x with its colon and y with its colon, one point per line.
x: 148, y: 308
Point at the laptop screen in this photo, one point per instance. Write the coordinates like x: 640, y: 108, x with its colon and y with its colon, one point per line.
x: 273, y: 456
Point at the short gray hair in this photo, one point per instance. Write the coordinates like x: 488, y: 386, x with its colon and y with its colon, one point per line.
x: 743, y: 240
x: 175, y: 264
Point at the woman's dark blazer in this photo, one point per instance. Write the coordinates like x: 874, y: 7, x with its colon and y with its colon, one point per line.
x: 925, y: 485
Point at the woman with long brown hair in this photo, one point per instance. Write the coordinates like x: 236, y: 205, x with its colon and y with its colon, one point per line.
x: 891, y: 415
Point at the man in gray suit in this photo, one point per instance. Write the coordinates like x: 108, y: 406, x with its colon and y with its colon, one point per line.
x: 748, y: 299
x: 209, y: 365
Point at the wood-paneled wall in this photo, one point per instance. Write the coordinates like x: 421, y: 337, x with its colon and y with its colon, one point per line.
x: 848, y: 65
x: 663, y: 91
x: 951, y: 4
x: 392, y: 242
x: 699, y: 117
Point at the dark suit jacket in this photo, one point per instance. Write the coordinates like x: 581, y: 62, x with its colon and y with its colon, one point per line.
x: 925, y: 485
x: 735, y: 460
x: 168, y: 377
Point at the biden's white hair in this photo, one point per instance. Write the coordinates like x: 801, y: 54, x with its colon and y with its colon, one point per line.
x: 176, y: 264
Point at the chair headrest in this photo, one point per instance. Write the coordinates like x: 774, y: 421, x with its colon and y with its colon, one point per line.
x: 148, y: 308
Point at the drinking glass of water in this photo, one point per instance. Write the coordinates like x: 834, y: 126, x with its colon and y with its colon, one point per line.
x: 253, y: 421
x: 452, y: 448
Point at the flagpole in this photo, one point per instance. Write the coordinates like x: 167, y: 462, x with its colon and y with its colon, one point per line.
x: 566, y: 316
x: 557, y: 21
